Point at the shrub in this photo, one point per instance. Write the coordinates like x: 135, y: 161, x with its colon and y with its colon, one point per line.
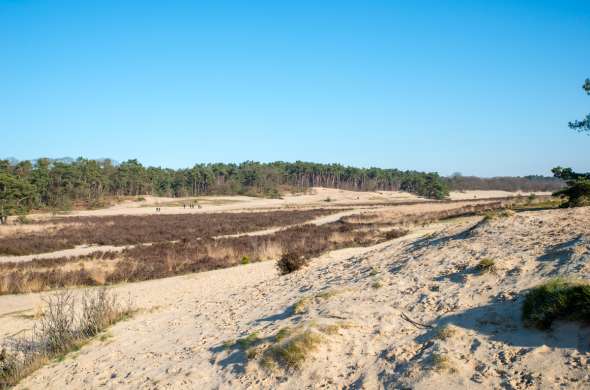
x: 557, y: 299
x: 291, y: 262
x: 23, y: 219
x: 395, y: 233
x: 63, y: 327
x: 245, y: 260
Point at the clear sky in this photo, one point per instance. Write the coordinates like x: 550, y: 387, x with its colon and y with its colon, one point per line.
x: 480, y: 87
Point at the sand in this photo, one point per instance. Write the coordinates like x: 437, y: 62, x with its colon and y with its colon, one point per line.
x: 315, y: 197
x: 428, y: 278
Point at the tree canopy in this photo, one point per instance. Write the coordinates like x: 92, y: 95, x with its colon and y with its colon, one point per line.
x: 58, y: 183
x: 584, y: 124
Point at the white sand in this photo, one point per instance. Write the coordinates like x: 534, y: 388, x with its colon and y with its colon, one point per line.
x: 315, y: 197
x: 177, y: 344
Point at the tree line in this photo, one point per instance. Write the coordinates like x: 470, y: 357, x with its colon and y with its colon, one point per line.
x: 531, y: 183
x: 57, y: 183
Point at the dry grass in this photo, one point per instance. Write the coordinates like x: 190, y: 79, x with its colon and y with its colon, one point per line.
x: 66, y: 325
x: 291, y: 353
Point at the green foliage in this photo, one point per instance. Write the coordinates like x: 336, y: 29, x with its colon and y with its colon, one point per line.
x: 58, y: 183
x: 557, y: 299
x: 486, y: 265
x: 245, y: 260
x: 16, y: 195
x: 584, y: 124
x: 577, y: 191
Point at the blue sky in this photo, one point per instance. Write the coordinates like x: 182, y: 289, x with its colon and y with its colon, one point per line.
x: 479, y: 87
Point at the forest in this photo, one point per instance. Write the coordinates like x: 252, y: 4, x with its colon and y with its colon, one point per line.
x: 58, y: 183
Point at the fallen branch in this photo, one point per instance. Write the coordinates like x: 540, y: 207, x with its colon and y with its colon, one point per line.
x: 417, y: 324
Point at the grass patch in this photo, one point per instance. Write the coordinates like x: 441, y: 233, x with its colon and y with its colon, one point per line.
x: 292, y: 353
x: 497, y: 214
x: 486, y: 265
x: 441, y: 362
x: 377, y: 284
x: 445, y: 332
x: 557, y: 299
x: 248, y: 341
x: 283, y: 334
x: 301, y: 305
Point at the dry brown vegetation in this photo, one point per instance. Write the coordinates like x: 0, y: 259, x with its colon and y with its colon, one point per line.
x: 66, y: 324
x: 421, y: 217
x: 131, y: 230
x: 144, y: 262
x: 180, y: 244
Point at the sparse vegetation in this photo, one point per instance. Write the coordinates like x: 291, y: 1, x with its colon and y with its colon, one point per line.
x: 557, y: 299
x: 301, y: 305
x: 486, y: 265
x: 293, y: 352
x: 66, y: 325
x: 441, y: 362
x: 377, y: 284
x: 445, y: 332
x: 497, y: 214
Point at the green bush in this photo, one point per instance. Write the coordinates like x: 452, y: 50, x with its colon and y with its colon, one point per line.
x: 245, y: 260
x: 557, y: 299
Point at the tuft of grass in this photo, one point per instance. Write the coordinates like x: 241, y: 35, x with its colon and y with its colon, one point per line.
x: 445, y: 332
x: 441, y: 362
x: 245, y: 260
x: 486, y: 265
x: 497, y: 214
x: 301, y: 305
x: 374, y: 271
x: 377, y: 284
x: 248, y: 341
x: 327, y: 294
x: 292, y: 353
x: 283, y: 333
x: 557, y: 299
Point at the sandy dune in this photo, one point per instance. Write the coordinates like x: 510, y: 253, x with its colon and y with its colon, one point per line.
x: 315, y: 197
x: 427, y: 278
